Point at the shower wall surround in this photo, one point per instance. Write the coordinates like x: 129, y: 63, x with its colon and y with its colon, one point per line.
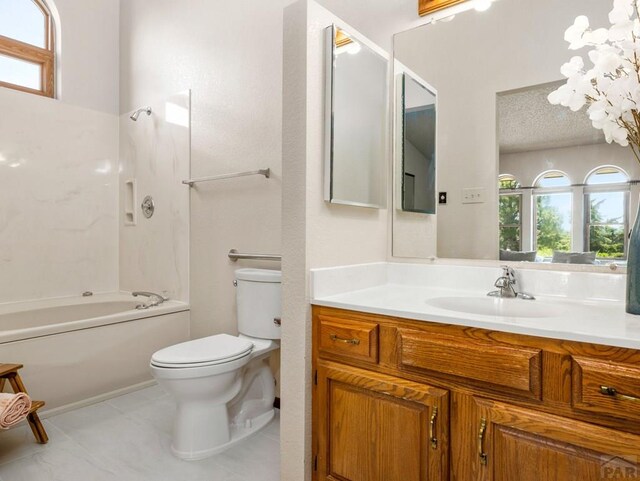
x: 58, y: 198
x: 155, y: 152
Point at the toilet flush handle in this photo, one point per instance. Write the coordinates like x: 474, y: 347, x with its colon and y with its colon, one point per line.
x: 277, y: 321
x: 235, y: 283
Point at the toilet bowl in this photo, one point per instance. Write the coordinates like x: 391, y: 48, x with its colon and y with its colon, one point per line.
x: 223, y: 384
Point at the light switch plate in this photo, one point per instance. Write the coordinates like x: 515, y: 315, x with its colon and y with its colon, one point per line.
x: 476, y: 195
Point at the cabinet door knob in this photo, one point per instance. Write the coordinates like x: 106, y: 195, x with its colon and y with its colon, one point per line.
x: 432, y: 429
x: 613, y: 392
x: 335, y: 338
x: 481, y: 453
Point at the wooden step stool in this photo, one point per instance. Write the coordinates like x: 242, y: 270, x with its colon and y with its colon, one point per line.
x: 10, y: 372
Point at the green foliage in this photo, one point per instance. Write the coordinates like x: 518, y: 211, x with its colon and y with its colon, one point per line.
x: 606, y: 240
x: 550, y: 232
x: 509, y: 214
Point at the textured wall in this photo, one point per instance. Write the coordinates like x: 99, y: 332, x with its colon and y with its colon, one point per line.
x: 318, y: 234
x: 88, y: 55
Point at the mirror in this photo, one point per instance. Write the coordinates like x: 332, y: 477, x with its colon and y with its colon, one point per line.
x: 356, y: 121
x: 418, y: 152
x: 524, y: 180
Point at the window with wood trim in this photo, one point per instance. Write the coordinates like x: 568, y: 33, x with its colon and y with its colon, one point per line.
x: 27, y: 54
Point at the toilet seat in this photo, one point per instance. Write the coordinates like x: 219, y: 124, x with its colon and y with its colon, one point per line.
x: 204, y: 352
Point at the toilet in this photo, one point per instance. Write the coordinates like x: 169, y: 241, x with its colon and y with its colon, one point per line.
x: 223, y: 385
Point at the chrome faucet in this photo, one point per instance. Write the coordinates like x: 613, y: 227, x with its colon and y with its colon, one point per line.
x: 505, y: 284
x: 154, y: 299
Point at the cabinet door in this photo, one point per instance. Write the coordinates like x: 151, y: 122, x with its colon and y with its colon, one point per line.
x: 373, y: 427
x: 509, y: 443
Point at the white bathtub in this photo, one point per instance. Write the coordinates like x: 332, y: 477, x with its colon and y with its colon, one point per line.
x: 77, y: 350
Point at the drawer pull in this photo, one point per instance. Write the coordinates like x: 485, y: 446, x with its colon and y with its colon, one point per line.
x: 432, y: 429
x: 335, y: 338
x: 481, y: 453
x: 613, y: 392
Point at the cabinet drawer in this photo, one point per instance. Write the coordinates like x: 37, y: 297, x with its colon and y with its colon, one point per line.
x: 513, y: 369
x: 349, y: 338
x: 607, y: 388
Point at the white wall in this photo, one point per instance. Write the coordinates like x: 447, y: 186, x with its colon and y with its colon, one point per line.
x: 155, y: 153
x: 499, y: 50
x: 88, y: 55
x: 318, y: 234
x: 58, y: 198
x: 576, y: 162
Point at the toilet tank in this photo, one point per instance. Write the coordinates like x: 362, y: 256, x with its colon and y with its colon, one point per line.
x: 259, y: 302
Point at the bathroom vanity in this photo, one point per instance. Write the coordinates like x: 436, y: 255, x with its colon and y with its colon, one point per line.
x: 399, y: 397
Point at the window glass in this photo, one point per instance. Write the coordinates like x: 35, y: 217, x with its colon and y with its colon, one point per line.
x: 607, y: 224
x: 508, y: 182
x: 607, y: 175
x: 20, y: 72
x: 510, y: 222
x: 24, y: 21
x: 553, y: 179
x: 553, y: 219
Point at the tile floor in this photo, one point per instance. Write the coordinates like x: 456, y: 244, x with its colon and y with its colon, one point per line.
x: 127, y: 439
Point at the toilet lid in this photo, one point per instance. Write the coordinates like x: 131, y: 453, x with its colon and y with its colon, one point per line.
x: 207, y: 350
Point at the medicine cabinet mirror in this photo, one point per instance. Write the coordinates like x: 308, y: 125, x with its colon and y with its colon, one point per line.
x: 418, y: 145
x: 357, y: 128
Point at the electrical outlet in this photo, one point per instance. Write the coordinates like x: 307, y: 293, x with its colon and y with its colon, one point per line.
x: 474, y: 195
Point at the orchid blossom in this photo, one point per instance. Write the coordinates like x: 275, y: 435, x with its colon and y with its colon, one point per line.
x: 610, y: 84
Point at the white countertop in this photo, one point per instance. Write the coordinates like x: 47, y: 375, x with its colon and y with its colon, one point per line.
x: 597, y: 321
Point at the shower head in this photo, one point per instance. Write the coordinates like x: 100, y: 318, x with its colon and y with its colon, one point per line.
x: 134, y: 116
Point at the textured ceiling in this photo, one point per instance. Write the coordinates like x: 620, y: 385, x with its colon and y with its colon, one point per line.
x: 527, y: 121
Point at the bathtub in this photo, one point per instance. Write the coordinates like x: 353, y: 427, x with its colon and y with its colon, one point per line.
x: 81, y: 350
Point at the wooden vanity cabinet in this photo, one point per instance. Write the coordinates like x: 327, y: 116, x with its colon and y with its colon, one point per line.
x: 501, y: 407
x: 373, y: 427
x: 501, y: 442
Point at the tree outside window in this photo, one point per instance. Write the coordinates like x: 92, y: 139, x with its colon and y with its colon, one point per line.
x: 606, y: 196
x: 510, y: 208
x: 553, y: 208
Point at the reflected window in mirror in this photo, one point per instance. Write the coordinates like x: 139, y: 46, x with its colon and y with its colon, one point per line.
x: 607, y: 213
x: 510, y: 215
x: 418, y: 146
x: 553, y: 213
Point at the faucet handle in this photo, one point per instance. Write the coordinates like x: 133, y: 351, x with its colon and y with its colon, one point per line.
x: 509, y: 273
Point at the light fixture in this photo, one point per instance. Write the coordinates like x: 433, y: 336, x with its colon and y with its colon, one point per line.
x: 353, y: 48
x: 482, y: 5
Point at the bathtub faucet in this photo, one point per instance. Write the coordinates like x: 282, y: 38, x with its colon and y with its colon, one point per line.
x: 154, y: 299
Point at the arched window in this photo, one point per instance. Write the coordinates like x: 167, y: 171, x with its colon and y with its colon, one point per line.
x: 606, y: 212
x: 510, y: 213
x: 552, y: 179
x: 553, y: 210
x: 26, y: 46
x: 508, y: 181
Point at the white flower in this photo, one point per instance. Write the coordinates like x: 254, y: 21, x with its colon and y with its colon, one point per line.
x: 575, y: 33
x: 596, y: 37
x: 621, y: 31
x: 622, y: 11
x: 611, y: 88
x: 572, y: 67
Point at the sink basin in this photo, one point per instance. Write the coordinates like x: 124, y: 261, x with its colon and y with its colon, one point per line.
x: 493, y: 306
